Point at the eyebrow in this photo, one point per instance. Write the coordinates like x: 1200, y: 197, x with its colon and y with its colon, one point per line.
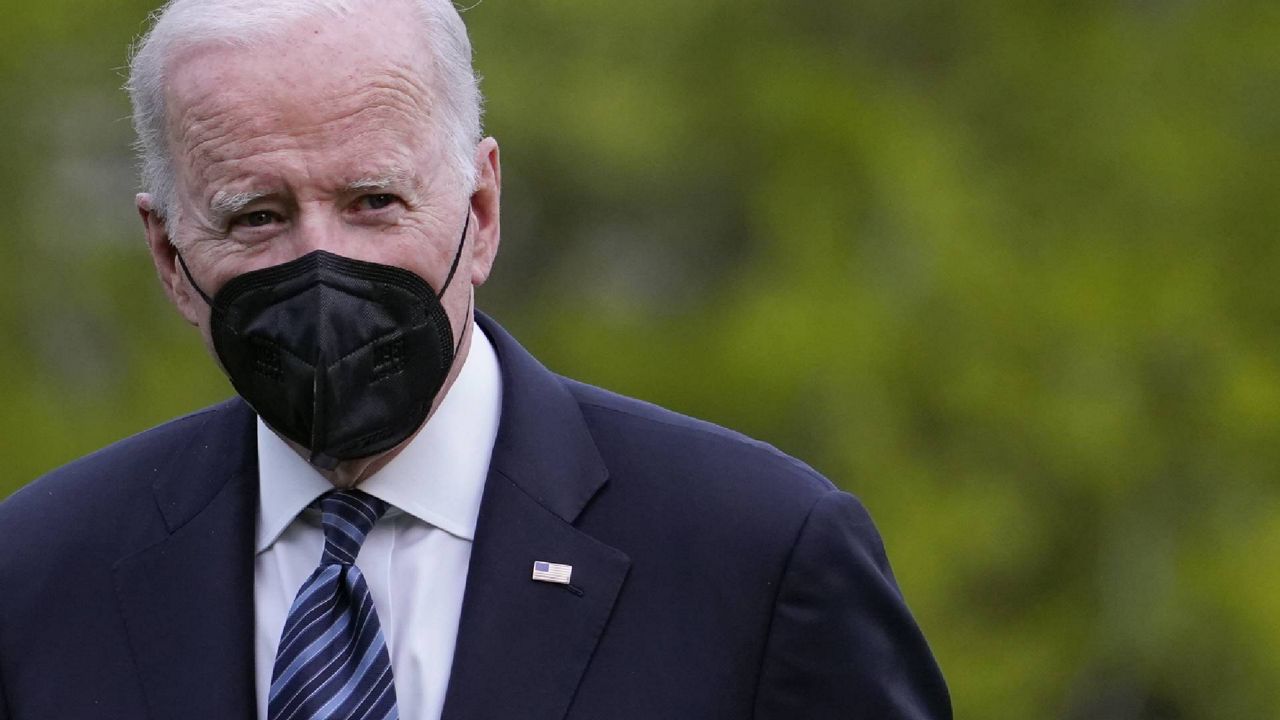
x: 226, y: 205
x: 394, y: 178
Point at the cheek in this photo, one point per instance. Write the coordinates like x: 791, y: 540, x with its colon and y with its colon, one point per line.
x: 429, y: 259
x: 215, y: 259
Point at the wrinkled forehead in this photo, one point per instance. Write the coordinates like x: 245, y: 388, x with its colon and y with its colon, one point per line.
x: 355, y: 74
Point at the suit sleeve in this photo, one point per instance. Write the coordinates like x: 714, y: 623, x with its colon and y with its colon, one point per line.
x: 842, y: 643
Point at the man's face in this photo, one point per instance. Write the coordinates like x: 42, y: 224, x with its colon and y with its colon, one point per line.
x: 324, y: 140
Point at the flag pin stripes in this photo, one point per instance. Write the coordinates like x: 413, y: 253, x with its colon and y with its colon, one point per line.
x: 552, y: 572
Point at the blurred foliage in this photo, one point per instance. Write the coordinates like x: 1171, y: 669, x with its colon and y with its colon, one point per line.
x: 1006, y: 270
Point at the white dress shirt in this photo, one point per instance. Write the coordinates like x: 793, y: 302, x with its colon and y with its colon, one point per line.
x: 415, y: 558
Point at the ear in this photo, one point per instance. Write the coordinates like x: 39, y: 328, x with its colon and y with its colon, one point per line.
x: 165, y: 257
x: 485, y: 206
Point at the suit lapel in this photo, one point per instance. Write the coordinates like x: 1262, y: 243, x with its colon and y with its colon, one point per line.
x: 187, y: 600
x: 523, y: 645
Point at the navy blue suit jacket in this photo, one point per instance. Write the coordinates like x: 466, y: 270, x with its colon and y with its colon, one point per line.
x: 713, y: 576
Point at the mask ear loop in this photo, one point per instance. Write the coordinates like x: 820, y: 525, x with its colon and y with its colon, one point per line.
x: 456, y: 256
x: 467, y: 322
x: 453, y: 269
x: 187, y: 271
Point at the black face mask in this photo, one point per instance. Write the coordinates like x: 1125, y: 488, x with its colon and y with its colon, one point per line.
x: 342, y: 356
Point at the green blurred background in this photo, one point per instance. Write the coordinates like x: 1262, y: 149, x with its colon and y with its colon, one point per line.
x: 1006, y: 270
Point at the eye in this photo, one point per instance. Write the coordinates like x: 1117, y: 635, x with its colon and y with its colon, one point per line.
x: 376, y: 201
x: 256, y: 219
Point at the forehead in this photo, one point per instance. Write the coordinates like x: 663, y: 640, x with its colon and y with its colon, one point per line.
x: 338, y: 86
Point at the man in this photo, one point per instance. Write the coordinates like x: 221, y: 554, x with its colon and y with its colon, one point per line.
x: 404, y: 514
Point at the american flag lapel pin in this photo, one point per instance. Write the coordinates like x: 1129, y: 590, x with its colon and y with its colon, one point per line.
x: 552, y: 572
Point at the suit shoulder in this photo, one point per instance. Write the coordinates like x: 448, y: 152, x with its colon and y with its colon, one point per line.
x: 689, y: 495
x: 633, y: 431
x: 81, y: 493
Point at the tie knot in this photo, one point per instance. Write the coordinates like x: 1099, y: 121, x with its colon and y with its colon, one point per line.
x: 349, y: 515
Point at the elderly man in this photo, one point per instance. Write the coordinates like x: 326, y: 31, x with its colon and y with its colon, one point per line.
x: 403, y: 514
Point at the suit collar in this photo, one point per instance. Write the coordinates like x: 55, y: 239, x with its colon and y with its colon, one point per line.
x: 221, y: 449
x: 543, y: 444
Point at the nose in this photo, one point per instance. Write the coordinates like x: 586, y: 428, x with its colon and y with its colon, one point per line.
x: 317, y: 227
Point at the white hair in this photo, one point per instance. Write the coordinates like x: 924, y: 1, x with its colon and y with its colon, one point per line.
x: 241, y: 23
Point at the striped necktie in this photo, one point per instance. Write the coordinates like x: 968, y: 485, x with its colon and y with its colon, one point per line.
x: 332, y: 662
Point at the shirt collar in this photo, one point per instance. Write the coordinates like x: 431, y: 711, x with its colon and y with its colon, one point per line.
x: 438, y: 477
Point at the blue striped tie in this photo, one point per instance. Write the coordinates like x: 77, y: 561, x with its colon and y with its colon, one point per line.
x: 333, y: 662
